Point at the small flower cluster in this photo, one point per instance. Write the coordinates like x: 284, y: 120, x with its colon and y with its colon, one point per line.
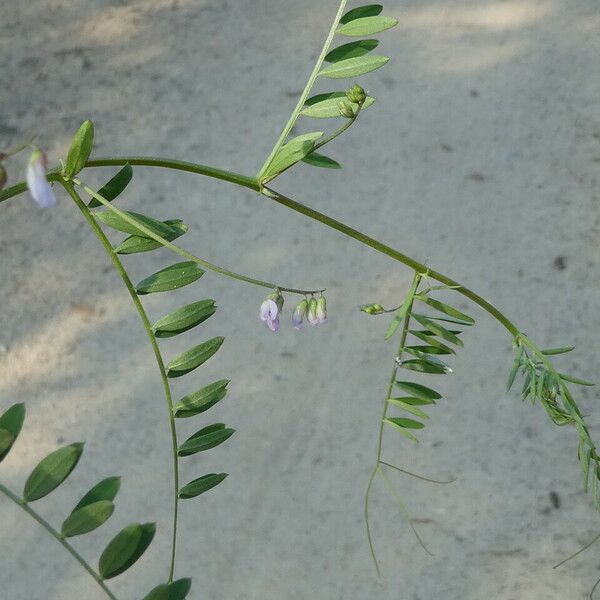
x: 313, y: 310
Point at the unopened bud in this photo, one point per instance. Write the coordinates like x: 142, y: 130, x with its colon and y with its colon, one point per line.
x: 299, y: 314
x: 356, y: 94
x: 372, y: 309
x: 311, y: 314
x: 345, y: 110
x: 3, y: 176
x: 321, y: 310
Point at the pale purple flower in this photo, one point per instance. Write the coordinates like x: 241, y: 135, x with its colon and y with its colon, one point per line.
x: 321, y: 311
x: 311, y: 315
x: 299, y: 314
x: 270, y: 310
x: 37, y: 182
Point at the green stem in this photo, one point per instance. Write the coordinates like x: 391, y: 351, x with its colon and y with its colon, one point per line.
x: 415, y: 475
x: 252, y: 183
x: 157, y: 354
x: 303, y: 97
x: 390, y: 387
x: 62, y: 541
x: 391, y: 252
x: 184, y: 253
x: 178, y: 165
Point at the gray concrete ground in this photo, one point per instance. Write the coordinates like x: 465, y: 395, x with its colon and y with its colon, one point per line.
x: 482, y: 156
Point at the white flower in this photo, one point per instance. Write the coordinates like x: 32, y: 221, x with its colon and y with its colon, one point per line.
x: 37, y: 182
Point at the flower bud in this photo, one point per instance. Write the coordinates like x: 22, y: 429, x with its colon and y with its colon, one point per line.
x: 311, y: 315
x: 3, y: 176
x: 356, y: 94
x: 300, y: 313
x: 345, y: 110
x: 37, y: 182
x: 372, y: 309
x: 322, y: 310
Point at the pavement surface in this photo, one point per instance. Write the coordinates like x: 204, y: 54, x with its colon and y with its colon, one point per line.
x: 481, y: 156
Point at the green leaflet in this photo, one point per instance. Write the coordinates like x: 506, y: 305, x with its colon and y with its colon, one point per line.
x: 353, y: 67
x: 429, y: 339
x: 184, y: 318
x: 170, y: 278
x: 193, y: 358
x: 423, y: 366
x: 292, y: 152
x: 87, y: 518
x: 412, y: 401
x: 11, y: 423
x: 369, y: 10
x: 205, y: 439
x: 463, y: 319
x: 430, y: 350
x: 564, y: 350
x: 116, y: 221
x: 51, y: 472
x: 6, y: 441
x: 367, y: 26
x: 402, y: 425
x: 351, y: 50
x: 137, y: 243
x: 201, y: 485
x: 125, y: 549
x: 319, y: 160
x: 177, y: 590
x: 408, y: 408
x: 576, y: 380
x: 418, y: 391
x: 325, y: 106
x: 107, y: 489
x: 114, y: 187
x: 438, y: 330
x: 80, y: 150
x: 198, y: 402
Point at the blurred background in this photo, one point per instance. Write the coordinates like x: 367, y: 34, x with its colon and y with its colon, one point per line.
x: 482, y: 156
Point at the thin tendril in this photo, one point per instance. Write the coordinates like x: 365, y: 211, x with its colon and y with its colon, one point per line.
x: 580, y: 551
x: 382, y: 462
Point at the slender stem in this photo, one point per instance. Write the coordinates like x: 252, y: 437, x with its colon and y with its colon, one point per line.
x: 322, y: 143
x: 391, y: 252
x: 586, y: 547
x: 292, y: 204
x: 388, y: 393
x: 303, y: 97
x: 157, y: 354
x: 178, y: 165
x: 184, y: 253
x: 416, y: 475
x: 367, y: 523
x: 62, y: 541
x: 403, y: 510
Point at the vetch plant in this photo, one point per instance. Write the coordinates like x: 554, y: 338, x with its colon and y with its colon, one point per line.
x: 426, y: 331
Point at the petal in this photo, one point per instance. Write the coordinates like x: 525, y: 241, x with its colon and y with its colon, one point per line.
x: 273, y: 324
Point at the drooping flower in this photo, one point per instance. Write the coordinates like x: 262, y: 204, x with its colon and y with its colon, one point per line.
x: 270, y: 310
x: 37, y: 181
x: 311, y: 315
x: 321, y: 311
x: 299, y: 314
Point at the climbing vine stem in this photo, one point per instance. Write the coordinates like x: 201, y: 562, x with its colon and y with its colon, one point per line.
x: 157, y: 354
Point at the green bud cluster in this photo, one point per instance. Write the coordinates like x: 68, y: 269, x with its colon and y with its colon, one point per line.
x: 372, y: 309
